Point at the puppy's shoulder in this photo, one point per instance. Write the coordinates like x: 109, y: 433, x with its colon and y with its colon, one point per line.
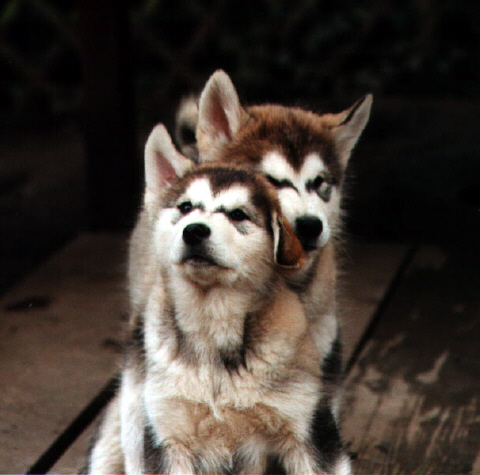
x: 286, y: 315
x: 289, y: 332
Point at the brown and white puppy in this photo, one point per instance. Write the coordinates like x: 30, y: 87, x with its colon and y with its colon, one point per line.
x: 226, y: 337
x: 304, y: 155
x: 221, y: 372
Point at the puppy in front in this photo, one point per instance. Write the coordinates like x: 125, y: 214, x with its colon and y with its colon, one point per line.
x: 221, y: 373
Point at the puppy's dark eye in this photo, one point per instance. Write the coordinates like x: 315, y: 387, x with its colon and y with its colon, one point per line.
x: 185, y: 207
x: 237, y: 215
x: 317, y: 183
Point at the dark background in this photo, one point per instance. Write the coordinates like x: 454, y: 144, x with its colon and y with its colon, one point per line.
x: 83, y: 82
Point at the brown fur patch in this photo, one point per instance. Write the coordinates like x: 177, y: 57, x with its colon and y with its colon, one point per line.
x: 201, y: 429
x: 292, y: 132
x: 290, y: 253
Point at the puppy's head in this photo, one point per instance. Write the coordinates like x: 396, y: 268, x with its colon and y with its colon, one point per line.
x: 221, y: 225
x: 303, y: 154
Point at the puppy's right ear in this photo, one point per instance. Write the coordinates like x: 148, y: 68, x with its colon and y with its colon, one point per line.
x: 163, y: 163
x: 220, y: 115
x: 288, y: 251
x: 349, y: 127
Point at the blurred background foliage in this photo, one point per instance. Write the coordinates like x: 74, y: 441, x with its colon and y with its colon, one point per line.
x: 275, y: 50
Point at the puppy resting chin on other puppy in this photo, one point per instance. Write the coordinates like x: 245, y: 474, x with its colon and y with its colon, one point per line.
x: 221, y: 373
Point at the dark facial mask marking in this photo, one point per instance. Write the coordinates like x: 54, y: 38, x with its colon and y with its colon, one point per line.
x: 280, y: 183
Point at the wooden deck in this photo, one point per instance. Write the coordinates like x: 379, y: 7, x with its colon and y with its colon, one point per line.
x: 411, y: 326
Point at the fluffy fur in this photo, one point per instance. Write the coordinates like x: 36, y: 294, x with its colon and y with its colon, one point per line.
x: 221, y: 373
x: 305, y: 156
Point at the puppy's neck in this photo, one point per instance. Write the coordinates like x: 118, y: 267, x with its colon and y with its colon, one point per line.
x: 320, y: 268
x: 301, y: 280
x: 213, y: 319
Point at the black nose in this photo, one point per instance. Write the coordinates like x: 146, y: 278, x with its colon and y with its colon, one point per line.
x: 308, y: 228
x: 195, y: 233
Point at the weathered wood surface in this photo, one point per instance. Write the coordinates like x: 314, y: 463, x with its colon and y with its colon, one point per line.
x: 76, y: 456
x: 367, y: 272
x: 56, y: 351
x: 369, y: 269
x: 413, y: 398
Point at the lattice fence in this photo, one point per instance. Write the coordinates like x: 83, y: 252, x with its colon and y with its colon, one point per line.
x: 40, y: 72
x: 275, y: 49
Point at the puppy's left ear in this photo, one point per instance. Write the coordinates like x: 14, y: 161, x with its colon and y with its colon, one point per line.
x: 163, y: 163
x: 349, y: 127
x: 288, y: 251
x: 220, y: 115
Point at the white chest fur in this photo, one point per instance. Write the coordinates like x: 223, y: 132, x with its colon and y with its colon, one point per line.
x: 185, y: 392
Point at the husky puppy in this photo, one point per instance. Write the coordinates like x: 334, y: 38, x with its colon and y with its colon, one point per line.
x: 304, y: 155
x: 221, y: 374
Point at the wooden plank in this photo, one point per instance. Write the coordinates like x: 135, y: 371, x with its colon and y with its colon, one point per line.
x: 75, y: 457
x: 413, y: 399
x: 57, y: 349
x: 368, y: 271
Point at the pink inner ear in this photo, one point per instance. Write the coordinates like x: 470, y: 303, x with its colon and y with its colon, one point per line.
x: 219, y: 118
x: 166, y: 171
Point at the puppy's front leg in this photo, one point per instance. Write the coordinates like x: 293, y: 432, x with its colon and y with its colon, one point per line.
x: 301, y: 462
x: 251, y: 457
x: 303, y: 459
x: 165, y: 449
x: 106, y: 454
x: 179, y: 458
x: 132, y: 415
x: 299, y: 457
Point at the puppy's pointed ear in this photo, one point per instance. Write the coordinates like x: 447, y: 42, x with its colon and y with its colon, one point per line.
x: 288, y: 251
x: 220, y: 115
x: 163, y: 163
x: 349, y: 127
